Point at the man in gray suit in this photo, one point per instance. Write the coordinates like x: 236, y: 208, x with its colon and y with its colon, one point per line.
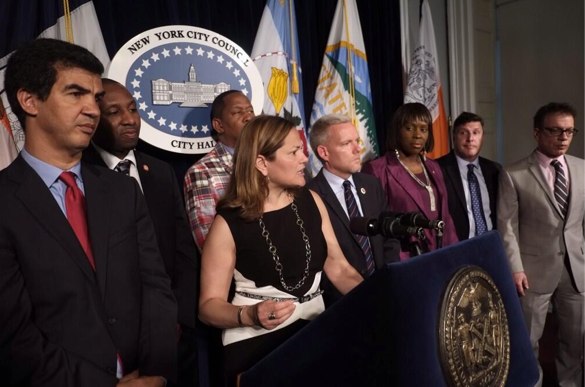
x: 541, y: 216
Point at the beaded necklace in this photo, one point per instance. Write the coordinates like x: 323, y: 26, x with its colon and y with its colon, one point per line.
x: 272, y: 249
x: 428, y: 186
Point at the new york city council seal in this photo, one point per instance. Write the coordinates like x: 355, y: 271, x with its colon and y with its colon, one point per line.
x: 473, y: 331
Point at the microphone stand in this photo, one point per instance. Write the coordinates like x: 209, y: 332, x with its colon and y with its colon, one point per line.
x: 439, y: 236
x: 418, y: 245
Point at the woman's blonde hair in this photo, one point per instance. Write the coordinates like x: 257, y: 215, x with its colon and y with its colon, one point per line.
x: 248, y: 187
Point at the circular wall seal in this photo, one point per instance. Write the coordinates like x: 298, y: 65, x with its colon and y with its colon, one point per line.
x: 174, y: 73
x: 473, y: 331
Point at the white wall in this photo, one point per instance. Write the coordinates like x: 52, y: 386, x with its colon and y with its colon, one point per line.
x: 541, y: 54
x: 508, y: 58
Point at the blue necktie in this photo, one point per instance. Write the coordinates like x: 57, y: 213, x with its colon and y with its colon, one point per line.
x: 352, y: 210
x: 476, y: 202
x: 561, y: 191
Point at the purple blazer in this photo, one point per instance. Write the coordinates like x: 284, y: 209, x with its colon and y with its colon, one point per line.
x: 404, y: 195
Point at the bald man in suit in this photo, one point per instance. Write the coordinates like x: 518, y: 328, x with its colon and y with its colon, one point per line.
x: 113, y: 146
x: 541, y: 216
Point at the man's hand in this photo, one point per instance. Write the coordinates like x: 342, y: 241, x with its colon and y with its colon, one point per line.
x: 133, y: 379
x: 521, y: 282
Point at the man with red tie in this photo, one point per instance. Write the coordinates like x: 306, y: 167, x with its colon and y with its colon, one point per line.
x: 85, y: 297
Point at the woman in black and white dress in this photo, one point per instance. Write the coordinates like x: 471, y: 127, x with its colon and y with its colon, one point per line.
x: 273, y: 237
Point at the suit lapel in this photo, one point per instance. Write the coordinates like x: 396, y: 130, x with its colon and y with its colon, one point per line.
x: 576, y: 186
x: 331, y: 200
x: 410, y: 186
x: 537, y: 174
x: 96, y: 193
x: 454, y: 176
x: 39, y: 201
x: 368, y: 206
x: 146, y: 177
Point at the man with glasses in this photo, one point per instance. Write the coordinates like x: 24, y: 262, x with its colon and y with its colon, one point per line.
x: 541, y: 216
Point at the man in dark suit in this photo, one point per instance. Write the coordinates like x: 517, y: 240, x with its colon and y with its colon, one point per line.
x: 336, y: 143
x: 467, y: 141
x: 113, y: 147
x: 85, y: 298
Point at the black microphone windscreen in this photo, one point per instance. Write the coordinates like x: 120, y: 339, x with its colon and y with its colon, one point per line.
x: 363, y: 226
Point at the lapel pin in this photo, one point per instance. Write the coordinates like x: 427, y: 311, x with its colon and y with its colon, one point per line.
x: 145, y: 167
x: 363, y: 190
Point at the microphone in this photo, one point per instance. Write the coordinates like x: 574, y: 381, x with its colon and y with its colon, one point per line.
x: 363, y: 226
x: 417, y: 219
x: 386, y: 226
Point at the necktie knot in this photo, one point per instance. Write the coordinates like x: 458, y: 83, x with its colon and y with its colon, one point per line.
x: 123, y: 167
x: 68, y: 178
x: 556, y: 165
x: 470, y: 168
x: 347, y: 185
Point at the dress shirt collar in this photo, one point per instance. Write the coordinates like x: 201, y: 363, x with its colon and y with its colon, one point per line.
x: 462, y: 164
x: 336, y: 182
x: 49, y: 173
x: 544, y: 161
x: 111, y: 160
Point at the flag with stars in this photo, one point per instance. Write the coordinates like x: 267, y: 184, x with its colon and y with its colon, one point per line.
x: 174, y: 73
x: 276, y: 54
x: 343, y: 86
x: 23, y: 20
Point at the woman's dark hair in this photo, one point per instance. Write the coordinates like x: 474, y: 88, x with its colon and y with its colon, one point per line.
x: 405, y: 114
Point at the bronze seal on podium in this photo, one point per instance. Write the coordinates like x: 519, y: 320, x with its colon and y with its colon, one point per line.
x: 473, y: 331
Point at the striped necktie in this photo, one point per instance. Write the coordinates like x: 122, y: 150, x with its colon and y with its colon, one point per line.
x: 560, y: 189
x: 353, y: 211
x: 123, y: 167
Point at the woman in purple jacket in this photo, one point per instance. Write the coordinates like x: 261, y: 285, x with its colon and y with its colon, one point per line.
x: 412, y: 182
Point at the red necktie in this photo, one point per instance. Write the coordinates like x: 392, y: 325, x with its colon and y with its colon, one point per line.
x: 75, y: 209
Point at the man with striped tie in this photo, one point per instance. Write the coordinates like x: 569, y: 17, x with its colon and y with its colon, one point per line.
x: 347, y: 193
x: 113, y: 146
x: 541, y: 216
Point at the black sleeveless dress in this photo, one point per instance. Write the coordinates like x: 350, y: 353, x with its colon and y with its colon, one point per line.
x: 256, y: 277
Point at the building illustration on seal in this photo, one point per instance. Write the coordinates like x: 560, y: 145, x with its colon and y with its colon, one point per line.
x: 191, y: 93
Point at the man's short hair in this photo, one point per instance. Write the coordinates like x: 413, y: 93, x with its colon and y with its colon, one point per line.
x: 318, y: 134
x: 464, y: 118
x: 34, y: 67
x: 553, y: 108
x: 217, y: 107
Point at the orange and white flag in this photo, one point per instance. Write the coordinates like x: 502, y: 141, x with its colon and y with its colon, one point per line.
x: 424, y: 82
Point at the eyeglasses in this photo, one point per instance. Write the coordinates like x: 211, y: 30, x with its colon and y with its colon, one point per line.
x: 560, y: 131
